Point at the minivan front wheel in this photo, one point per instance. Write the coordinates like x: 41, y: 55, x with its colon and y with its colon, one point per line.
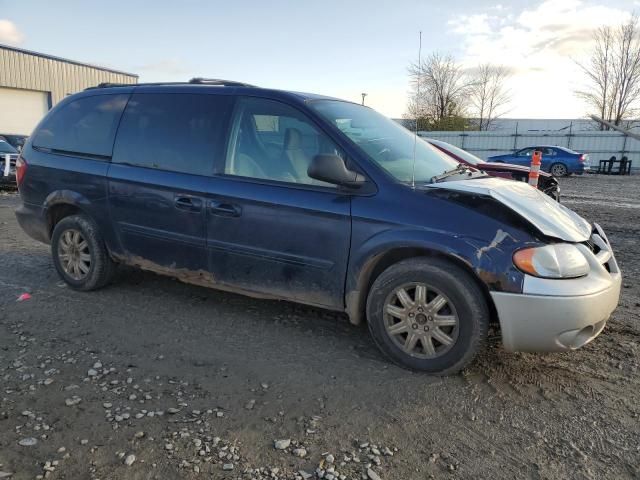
x: 427, y: 314
x: 79, y: 254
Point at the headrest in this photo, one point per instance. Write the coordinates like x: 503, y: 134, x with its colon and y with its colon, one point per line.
x: 292, y: 139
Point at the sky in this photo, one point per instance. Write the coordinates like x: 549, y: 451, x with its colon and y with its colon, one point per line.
x: 333, y: 47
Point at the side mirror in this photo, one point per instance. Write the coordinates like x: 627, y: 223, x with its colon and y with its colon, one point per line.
x: 332, y: 169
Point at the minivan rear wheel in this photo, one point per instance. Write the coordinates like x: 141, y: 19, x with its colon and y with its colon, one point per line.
x: 79, y: 253
x: 427, y: 314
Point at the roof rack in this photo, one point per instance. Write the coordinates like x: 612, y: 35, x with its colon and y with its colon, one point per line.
x: 218, y: 81
x: 193, y: 81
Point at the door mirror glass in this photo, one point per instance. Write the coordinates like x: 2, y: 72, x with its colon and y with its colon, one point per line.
x: 332, y: 169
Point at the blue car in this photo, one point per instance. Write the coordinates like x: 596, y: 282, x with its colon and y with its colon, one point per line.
x: 558, y: 161
x: 314, y: 200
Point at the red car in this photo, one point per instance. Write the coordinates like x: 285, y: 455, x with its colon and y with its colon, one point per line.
x: 546, y: 182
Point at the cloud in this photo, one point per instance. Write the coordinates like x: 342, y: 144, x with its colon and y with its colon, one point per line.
x: 9, y: 33
x: 540, y: 44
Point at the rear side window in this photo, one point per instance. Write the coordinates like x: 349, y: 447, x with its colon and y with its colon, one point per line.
x: 83, y: 126
x: 176, y: 132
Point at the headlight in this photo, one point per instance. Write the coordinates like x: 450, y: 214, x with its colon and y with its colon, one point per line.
x: 561, y: 260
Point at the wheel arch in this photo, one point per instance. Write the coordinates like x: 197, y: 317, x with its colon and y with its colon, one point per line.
x: 375, y: 264
x: 61, y: 204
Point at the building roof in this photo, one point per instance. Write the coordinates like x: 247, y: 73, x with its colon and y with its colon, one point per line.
x: 65, y: 60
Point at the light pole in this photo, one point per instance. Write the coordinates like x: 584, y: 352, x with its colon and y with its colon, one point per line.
x: 363, y: 95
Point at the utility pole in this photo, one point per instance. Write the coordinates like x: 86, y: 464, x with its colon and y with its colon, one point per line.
x: 363, y: 95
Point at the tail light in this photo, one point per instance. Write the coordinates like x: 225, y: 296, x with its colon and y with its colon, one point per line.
x: 21, y: 169
x: 582, y: 158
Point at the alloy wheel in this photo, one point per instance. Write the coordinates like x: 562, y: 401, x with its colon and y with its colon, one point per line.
x: 74, y: 254
x: 421, y: 320
x: 558, y: 170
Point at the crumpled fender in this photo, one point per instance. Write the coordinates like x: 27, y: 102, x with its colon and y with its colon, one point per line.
x: 489, y: 261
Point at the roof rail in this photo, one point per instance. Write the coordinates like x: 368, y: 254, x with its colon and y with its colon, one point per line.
x: 218, y: 81
x: 193, y: 81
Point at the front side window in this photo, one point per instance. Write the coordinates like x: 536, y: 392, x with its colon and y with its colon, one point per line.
x: 273, y: 141
x: 83, y: 126
x: 175, y: 132
x: 386, y: 142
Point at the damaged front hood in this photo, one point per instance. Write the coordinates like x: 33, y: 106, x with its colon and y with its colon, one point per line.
x: 547, y: 215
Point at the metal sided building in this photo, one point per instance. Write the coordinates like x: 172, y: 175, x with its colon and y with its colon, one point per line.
x: 31, y: 83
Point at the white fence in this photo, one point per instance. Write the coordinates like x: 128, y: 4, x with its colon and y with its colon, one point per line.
x: 598, y: 144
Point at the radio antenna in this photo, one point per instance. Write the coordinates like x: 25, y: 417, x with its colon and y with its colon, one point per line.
x: 415, y: 132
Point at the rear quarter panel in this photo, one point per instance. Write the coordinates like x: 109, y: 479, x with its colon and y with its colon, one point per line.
x: 54, y: 179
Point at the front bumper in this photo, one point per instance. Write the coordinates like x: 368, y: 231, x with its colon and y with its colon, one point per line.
x: 561, y: 315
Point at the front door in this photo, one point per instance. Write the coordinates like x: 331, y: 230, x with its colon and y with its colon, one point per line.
x: 162, y: 165
x: 270, y: 228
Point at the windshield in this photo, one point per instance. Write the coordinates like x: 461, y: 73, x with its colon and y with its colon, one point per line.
x: 460, y: 153
x: 386, y: 142
x: 6, y: 148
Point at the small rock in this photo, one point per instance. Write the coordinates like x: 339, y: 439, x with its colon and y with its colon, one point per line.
x: 92, y: 372
x: 330, y: 458
x: 250, y: 404
x: 84, y: 441
x: 173, y: 410
x: 168, y: 446
x: 282, y: 444
x: 97, y: 365
x: 300, y: 452
x: 128, y: 461
x: 305, y: 475
x: 72, y: 401
x: 372, y: 475
x: 28, y: 442
x: 107, y: 405
x: 5, y: 474
x: 227, y: 466
x: 139, y: 434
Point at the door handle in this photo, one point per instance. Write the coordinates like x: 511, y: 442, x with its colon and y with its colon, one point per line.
x: 188, y: 203
x: 224, y: 209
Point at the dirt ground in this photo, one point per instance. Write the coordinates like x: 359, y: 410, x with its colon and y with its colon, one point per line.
x: 154, y: 379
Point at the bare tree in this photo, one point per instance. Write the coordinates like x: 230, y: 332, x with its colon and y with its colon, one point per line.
x: 438, y: 89
x: 613, y: 72
x: 488, y: 94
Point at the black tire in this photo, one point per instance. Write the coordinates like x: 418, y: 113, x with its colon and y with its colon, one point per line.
x: 101, y: 268
x: 559, y: 170
x: 461, y: 290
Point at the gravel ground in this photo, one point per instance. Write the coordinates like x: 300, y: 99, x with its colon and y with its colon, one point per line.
x: 153, y: 379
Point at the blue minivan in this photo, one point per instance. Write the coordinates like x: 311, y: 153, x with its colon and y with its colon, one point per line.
x: 314, y: 200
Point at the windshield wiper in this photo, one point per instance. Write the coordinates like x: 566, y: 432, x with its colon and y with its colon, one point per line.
x: 454, y: 171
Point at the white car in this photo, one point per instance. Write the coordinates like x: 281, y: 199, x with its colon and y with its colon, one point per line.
x: 8, y: 157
